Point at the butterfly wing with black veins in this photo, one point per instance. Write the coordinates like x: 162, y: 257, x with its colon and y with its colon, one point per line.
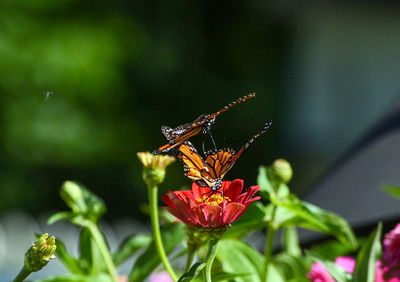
x: 193, y: 164
x: 218, y: 163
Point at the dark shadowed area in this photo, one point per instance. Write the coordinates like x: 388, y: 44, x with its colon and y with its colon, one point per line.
x: 85, y: 85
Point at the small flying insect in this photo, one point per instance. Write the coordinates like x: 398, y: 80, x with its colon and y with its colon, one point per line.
x: 47, y: 95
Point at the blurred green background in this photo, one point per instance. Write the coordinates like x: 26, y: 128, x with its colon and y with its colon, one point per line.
x: 118, y: 70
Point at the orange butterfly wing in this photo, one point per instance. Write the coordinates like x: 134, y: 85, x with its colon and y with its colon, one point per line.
x: 193, y: 164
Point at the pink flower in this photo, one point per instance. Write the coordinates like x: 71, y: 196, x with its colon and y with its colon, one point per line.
x: 319, y: 273
x: 381, y: 272
x: 162, y: 276
x: 347, y: 263
x: 391, y: 253
x: 197, y: 208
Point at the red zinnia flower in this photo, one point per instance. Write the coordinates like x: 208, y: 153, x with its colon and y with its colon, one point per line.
x: 197, y: 208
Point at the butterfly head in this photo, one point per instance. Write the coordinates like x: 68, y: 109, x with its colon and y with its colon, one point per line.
x: 206, y: 122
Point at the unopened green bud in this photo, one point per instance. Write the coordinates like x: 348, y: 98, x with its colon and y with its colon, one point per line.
x: 73, y: 196
x: 41, y: 252
x: 153, y: 177
x: 282, y: 170
x: 154, y: 167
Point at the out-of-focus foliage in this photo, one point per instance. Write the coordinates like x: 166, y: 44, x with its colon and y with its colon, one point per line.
x: 85, y: 85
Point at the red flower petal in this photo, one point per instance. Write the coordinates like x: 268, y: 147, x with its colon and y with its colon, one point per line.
x: 199, y: 191
x: 212, y: 215
x: 232, y: 189
x: 180, y: 216
x: 167, y: 200
x: 233, y: 211
x: 185, y: 195
x: 243, y: 198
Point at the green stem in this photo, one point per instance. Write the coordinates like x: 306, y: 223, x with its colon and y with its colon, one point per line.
x: 99, y: 240
x: 153, y: 190
x: 269, y: 244
x: 24, y: 272
x: 190, y: 257
x: 211, y: 252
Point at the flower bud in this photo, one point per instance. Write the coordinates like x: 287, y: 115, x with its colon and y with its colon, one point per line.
x: 282, y: 170
x: 40, y: 253
x: 154, y: 167
x: 73, y: 196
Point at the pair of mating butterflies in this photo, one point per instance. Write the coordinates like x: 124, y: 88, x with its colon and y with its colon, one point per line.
x: 208, y: 173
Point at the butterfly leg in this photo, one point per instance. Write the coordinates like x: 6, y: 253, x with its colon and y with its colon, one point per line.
x: 212, y: 139
x: 211, y: 192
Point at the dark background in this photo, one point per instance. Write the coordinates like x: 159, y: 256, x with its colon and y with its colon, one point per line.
x: 323, y: 71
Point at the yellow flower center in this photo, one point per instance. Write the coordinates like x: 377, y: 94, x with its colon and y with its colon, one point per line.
x: 214, y: 199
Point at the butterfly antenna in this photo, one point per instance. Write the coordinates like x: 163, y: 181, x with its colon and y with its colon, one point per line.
x: 267, y: 125
x: 234, y: 103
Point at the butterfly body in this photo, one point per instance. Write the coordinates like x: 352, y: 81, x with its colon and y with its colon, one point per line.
x: 177, y: 136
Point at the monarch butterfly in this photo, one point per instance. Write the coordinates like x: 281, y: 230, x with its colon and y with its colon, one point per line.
x: 218, y: 162
x: 202, y: 124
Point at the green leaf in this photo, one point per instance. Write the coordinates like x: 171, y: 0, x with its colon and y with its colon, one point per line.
x: 130, y: 246
x: 96, y: 206
x: 254, y: 218
x: 292, y: 266
x: 368, y: 256
x: 236, y: 255
x: 227, y: 276
x: 266, y: 186
x: 331, y: 249
x: 172, y: 235
x: 101, y: 277
x: 392, y: 190
x: 192, y: 273
x: 90, y: 256
x: 290, y: 241
x: 70, y: 262
x: 312, y: 217
x: 80, y: 220
x: 338, y: 273
x: 274, y: 274
x: 60, y: 216
x: 299, y: 279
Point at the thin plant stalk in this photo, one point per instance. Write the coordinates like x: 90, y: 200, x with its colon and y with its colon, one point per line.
x: 101, y: 244
x: 24, y: 272
x: 153, y: 192
x: 269, y: 244
x: 211, y: 253
x: 190, y: 257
